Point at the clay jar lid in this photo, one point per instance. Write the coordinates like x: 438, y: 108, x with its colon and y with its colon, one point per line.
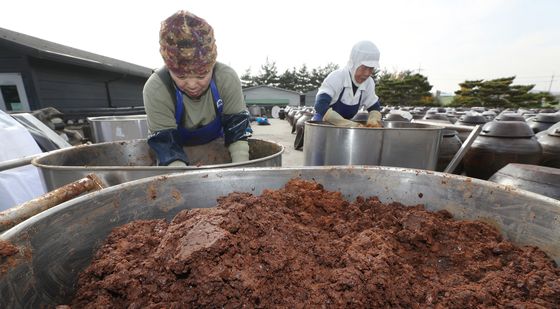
x: 395, y: 117
x: 472, y: 119
x: 438, y: 117
x: 507, y: 129
x: 510, y: 117
x: 548, y: 117
x: 554, y: 132
x: 449, y: 132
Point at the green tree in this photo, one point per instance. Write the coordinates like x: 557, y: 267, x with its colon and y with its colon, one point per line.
x: 500, y: 93
x: 247, y: 80
x: 404, y: 88
x: 318, y: 75
x: 288, y: 80
x: 268, y: 74
x: 468, y: 94
x: 547, y: 99
x: 301, y: 80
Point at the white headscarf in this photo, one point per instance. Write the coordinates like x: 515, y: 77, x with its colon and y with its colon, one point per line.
x: 363, y: 53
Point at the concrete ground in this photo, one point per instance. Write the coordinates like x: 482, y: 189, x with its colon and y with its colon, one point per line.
x: 280, y: 131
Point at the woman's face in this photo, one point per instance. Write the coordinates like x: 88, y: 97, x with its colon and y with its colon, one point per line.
x: 193, y: 85
x: 362, y: 73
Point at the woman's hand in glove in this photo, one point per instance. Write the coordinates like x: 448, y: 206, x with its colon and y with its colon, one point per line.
x: 334, y: 118
x: 374, y: 120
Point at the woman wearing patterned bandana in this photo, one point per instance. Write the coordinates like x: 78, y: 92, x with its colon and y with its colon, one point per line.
x: 345, y: 90
x: 193, y: 100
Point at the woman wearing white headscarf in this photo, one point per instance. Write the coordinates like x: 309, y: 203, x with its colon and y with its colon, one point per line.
x: 345, y: 90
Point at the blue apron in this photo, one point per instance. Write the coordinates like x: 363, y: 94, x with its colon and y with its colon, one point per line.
x: 204, y: 134
x: 346, y: 111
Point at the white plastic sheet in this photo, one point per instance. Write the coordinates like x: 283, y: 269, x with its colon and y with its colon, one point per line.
x: 19, y: 184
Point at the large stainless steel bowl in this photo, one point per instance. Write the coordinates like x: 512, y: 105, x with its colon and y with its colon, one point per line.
x: 122, y: 161
x: 58, y: 243
x: 398, y: 144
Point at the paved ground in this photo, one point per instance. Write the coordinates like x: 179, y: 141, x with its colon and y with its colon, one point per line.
x: 280, y: 131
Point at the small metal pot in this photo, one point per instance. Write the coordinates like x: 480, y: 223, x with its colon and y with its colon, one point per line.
x: 118, y: 128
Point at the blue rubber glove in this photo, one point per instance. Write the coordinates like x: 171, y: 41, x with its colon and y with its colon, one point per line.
x: 167, y: 147
x: 236, y: 127
x: 317, y: 117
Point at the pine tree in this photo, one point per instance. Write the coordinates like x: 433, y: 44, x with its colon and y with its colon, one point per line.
x: 288, y: 80
x: 500, y: 93
x: 268, y: 74
x: 404, y: 89
x: 247, y: 80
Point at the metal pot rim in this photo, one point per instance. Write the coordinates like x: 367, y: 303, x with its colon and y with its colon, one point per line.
x: 117, y: 118
x: 37, y: 161
x: 412, y: 126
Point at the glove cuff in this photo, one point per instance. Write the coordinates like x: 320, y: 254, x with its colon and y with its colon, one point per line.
x: 374, y: 118
x: 178, y: 163
x: 331, y: 116
x: 239, y: 151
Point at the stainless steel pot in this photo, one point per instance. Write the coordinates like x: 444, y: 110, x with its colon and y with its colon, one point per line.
x: 118, y: 162
x: 400, y: 144
x: 58, y: 243
x: 118, y: 128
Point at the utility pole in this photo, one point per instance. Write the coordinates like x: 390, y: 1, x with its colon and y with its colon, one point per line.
x: 551, y: 80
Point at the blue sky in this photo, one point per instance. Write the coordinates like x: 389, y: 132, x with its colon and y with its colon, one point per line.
x: 447, y: 41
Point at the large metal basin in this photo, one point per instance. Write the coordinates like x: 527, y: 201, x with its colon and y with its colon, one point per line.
x: 122, y: 161
x: 58, y: 243
x: 398, y: 144
x: 118, y: 128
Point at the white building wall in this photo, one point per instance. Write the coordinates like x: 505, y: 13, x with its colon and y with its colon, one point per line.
x: 271, y: 93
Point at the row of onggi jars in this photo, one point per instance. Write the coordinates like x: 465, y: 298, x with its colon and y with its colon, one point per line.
x: 511, y: 139
x: 508, y: 136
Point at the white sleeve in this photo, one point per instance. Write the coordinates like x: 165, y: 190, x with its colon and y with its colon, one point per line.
x: 369, y: 97
x: 332, y: 85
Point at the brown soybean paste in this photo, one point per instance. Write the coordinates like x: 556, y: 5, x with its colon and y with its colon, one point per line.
x: 302, y: 246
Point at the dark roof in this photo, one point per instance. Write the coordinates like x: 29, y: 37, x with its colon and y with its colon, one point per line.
x: 43, y: 49
x: 272, y: 87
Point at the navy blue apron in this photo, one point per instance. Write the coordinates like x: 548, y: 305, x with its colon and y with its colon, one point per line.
x: 204, y: 134
x: 346, y: 111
